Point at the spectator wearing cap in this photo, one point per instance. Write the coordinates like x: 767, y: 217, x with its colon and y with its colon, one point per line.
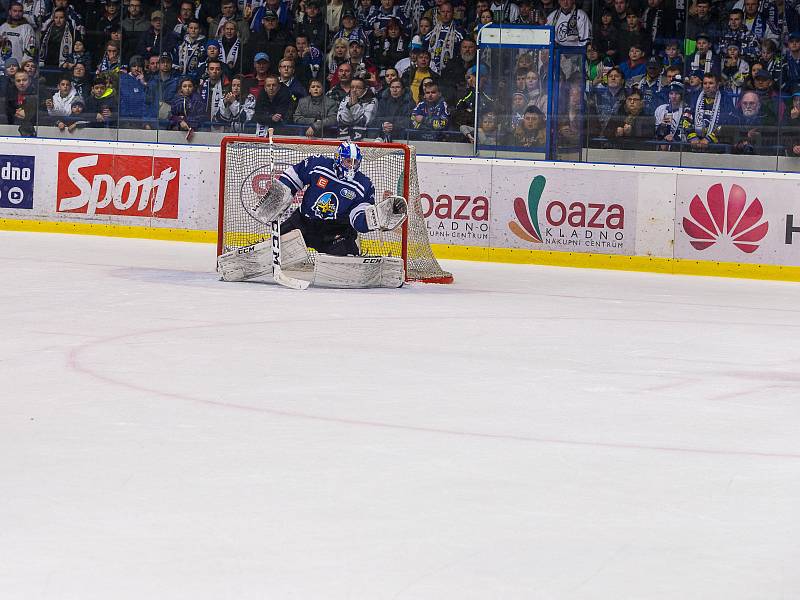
x: 350, y: 29
x: 272, y: 38
x: 650, y: 87
x: 153, y: 41
x: 737, y: 33
x: 229, y: 12
x: 356, y: 111
x: 572, y: 25
x: 704, y: 58
x: 363, y: 68
x: 443, y: 40
x: 254, y: 82
x: 767, y: 89
x: 282, y: 10
x: 313, y: 25
x: 668, y: 116
x: 464, y: 112
x: 232, y: 51
x: 316, y: 111
x: 165, y: 84
x: 385, y: 13
x: 212, y: 53
x: 693, y: 84
x: 273, y: 106
x: 414, y: 48
x: 792, y: 58
x: 134, y: 25
x: 453, y: 80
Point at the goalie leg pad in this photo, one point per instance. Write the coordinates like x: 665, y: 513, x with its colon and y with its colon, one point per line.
x: 246, y: 263
x: 294, y: 252
x: 356, y: 272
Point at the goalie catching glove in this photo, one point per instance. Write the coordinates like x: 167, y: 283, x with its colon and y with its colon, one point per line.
x: 272, y: 204
x: 386, y: 214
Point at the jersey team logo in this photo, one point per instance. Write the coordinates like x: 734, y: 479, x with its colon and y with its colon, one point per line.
x: 326, y: 206
x: 734, y: 220
x: 347, y: 193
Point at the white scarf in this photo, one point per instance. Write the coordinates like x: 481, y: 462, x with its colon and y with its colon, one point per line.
x: 699, y: 112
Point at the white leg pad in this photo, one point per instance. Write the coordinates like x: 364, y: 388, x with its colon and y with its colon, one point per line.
x: 246, y: 263
x: 358, y: 271
x: 294, y: 252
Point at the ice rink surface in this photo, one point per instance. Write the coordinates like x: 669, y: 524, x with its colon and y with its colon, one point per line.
x: 526, y: 433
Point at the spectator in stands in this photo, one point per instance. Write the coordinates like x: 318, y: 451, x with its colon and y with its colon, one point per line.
x: 170, y: 9
x: 350, y: 29
x: 339, y: 54
x: 109, y: 21
x: 231, y: 50
x: 392, y: 112
x: 389, y: 76
x: 185, y: 16
x: 288, y: 80
x: 344, y: 76
x: 110, y: 61
x: 80, y: 79
x: 153, y: 42
x: 632, y: 127
x: 650, y: 86
x: 737, y: 33
x: 137, y: 101
x: 453, y: 80
x: 701, y: 22
x: 356, y: 111
x: 659, y: 24
x: 387, y: 10
x: 791, y: 129
x: 533, y: 91
x: 188, y: 55
x: 333, y: 15
x: 363, y: 68
x: 21, y: 105
x: 313, y: 25
x: 188, y: 109
x: 669, y: 115
x: 309, y: 62
x: 530, y: 133
x: 101, y: 104
x: 485, y: 17
x: 431, y: 117
x: 273, y: 38
x: 704, y: 119
x: 59, y: 106
x: 390, y: 48
x: 632, y: 34
x: 605, y: 102
x: 78, y: 55
x: 414, y: 48
x: 766, y: 88
x: 425, y: 27
x: 254, y: 83
x: 756, y: 18
x: 134, y: 26
x: 572, y: 25
x: 694, y: 84
x: 236, y: 108
x: 672, y: 57
x: 229, y: 14
x: 444, y: 38
x: 774, y: 63
x: 527, y: 14
x: 414, y: 76
x: 58, y: 39
x: 282, y: 8
x: 606, y: 35
x: 748, y: 127
x: 166, y: 85
x: 273, y: 106
x: 364, y: 12
x: 792, y: 58
x: 596, y: 65
x: 316, y: 111
x: 17, y: 37
x: 10, y: 67
x: 212, y: 88
x: 704, y: 58
x: 73, y: 17
x: 635, y: 67
x: 734, y: 71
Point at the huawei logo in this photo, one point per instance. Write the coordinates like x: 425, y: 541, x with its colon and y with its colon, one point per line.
x: 734, y: 220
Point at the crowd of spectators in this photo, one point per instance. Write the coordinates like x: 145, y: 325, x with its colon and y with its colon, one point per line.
x: 709, y: 74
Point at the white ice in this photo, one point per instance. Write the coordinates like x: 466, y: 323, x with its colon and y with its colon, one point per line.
x: 528, y: 432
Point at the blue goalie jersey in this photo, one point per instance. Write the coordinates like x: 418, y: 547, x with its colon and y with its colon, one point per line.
x: 329, y: 197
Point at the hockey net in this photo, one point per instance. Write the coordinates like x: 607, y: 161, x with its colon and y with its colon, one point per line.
x: 392, y: 168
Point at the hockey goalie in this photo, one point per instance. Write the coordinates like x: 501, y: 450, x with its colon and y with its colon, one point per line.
x: 338, y: 203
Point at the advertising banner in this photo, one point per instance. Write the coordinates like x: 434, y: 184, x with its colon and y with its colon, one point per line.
x: 16, y: 181
x: 738, y: 219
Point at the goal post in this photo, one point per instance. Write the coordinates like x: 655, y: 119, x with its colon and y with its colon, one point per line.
x: 392, y: 168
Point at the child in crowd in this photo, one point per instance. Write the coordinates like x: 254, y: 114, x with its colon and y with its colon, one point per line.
x: 60, y: 105
x: 78, y: 55
x: 188, y: 109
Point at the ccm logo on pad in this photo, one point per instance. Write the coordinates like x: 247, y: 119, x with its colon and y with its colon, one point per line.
x: 113, y: 184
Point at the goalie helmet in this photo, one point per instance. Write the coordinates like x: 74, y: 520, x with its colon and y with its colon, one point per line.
x: 347, y: 160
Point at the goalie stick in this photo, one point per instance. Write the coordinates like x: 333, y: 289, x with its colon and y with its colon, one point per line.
x: 278, y: 275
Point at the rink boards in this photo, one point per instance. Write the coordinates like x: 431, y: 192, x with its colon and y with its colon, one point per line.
x: 661, y: 219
